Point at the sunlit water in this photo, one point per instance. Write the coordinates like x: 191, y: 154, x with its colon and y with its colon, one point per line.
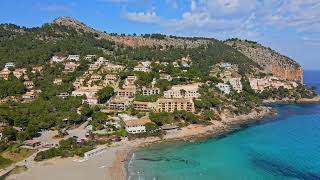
x: 283, y: 147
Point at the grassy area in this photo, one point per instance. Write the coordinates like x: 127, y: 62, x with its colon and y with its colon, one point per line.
x: 4, y: 162
x: 17, y: 154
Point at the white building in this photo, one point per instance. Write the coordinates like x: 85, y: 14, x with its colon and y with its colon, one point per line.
x: 57, y: 59
x: 150, y: 91
x: 225, y: 65
x: 225, y: 88
x: 90, y: 57
x: 165, y: 76
x: 146, y: 63
x: 183, y: 91
x: 175, y: 64
x: 135, y: 126
x: 9, y: 65
x: 101, y: 61
x: 63, y: 95
x: 91, y: 100
x: 141, y: 68
x: 87, y: 91
x: 73, y: 58
x: 236, y: 84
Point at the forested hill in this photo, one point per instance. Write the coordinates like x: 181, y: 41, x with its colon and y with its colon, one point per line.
x: 65, y: 36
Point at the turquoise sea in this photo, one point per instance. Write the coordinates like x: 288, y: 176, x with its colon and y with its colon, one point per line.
x: 286, y: 146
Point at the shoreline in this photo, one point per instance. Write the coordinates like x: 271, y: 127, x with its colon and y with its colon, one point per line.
x: 313, y: 100
x: 112, y: 164
x: 118, y: 170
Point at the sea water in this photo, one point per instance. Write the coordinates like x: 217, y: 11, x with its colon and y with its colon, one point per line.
x: 286, y: 146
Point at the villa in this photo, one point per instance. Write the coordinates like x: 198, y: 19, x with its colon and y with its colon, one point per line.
x: 70, y: 67
x: 87, y: 91
x: 28, y: 84
x: 96, y: 77
x: 141, y: 68
x: 236, y: 84
x: 36, y: 69
x: 57, y: 81
x: 130, y: 80
x: 225, y: 65
x: 28, y: 96
x: 91, y: 100
x: 150, y: 91
x: 115, y: 68
x: 9, y: 65
x: 90, y: 57
x: 57, y: 59
x: 73, y: 58
x: 63, y: 95
x: 183, y: 91
x: 223, y: 87
x: 93, y: 67
x: 127, y: 92
x: 118, y: 104
x: 101, y: 61
x: 165, y: 76
x: 4, y: 73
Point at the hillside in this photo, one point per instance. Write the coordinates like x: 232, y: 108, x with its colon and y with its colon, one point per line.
x: 66, y: 35
x: 270, y: 60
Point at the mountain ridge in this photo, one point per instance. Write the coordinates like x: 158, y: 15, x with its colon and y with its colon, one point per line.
x: 64, y: 30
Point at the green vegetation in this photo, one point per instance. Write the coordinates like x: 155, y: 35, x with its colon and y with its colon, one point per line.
x: 67, y: 148
x: 37, y: 45
x: 163, y: 118
x: 105, y: 94
x: 147, y: 98
x: 11, y: 87
x: 4, y: 162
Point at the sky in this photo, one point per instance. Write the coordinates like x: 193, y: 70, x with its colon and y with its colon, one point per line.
x: 291, y: 27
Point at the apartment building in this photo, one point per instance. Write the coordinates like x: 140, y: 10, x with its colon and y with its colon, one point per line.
x: 171, y: 105
x: 118, y: 104
x: 126, y: 92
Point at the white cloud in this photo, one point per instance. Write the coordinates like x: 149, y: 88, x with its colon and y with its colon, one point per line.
x: 301, y: 15
x: 243, y: 18
x: 144, y: 17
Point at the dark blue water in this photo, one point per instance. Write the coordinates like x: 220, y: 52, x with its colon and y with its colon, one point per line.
x: 312, y: 78
x: 283, y: 147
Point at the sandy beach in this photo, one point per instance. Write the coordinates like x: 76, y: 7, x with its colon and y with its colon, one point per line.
x: 110, y: 165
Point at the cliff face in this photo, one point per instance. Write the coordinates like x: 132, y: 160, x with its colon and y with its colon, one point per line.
x: 287, y: 73
x: 271, y: 61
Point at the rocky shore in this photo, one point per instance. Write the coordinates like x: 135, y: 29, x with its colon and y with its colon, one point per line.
x: 316, y: 99
x: 191, y: 132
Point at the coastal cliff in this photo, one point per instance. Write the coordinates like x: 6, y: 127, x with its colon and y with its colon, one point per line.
x: 271, y: 61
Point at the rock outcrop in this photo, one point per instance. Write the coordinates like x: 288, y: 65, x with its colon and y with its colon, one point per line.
x: 133, y: 41
x: 272, y: 62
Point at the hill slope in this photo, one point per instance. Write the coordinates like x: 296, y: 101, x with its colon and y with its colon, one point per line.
x: 68, y: 36
x: 270, y: 60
